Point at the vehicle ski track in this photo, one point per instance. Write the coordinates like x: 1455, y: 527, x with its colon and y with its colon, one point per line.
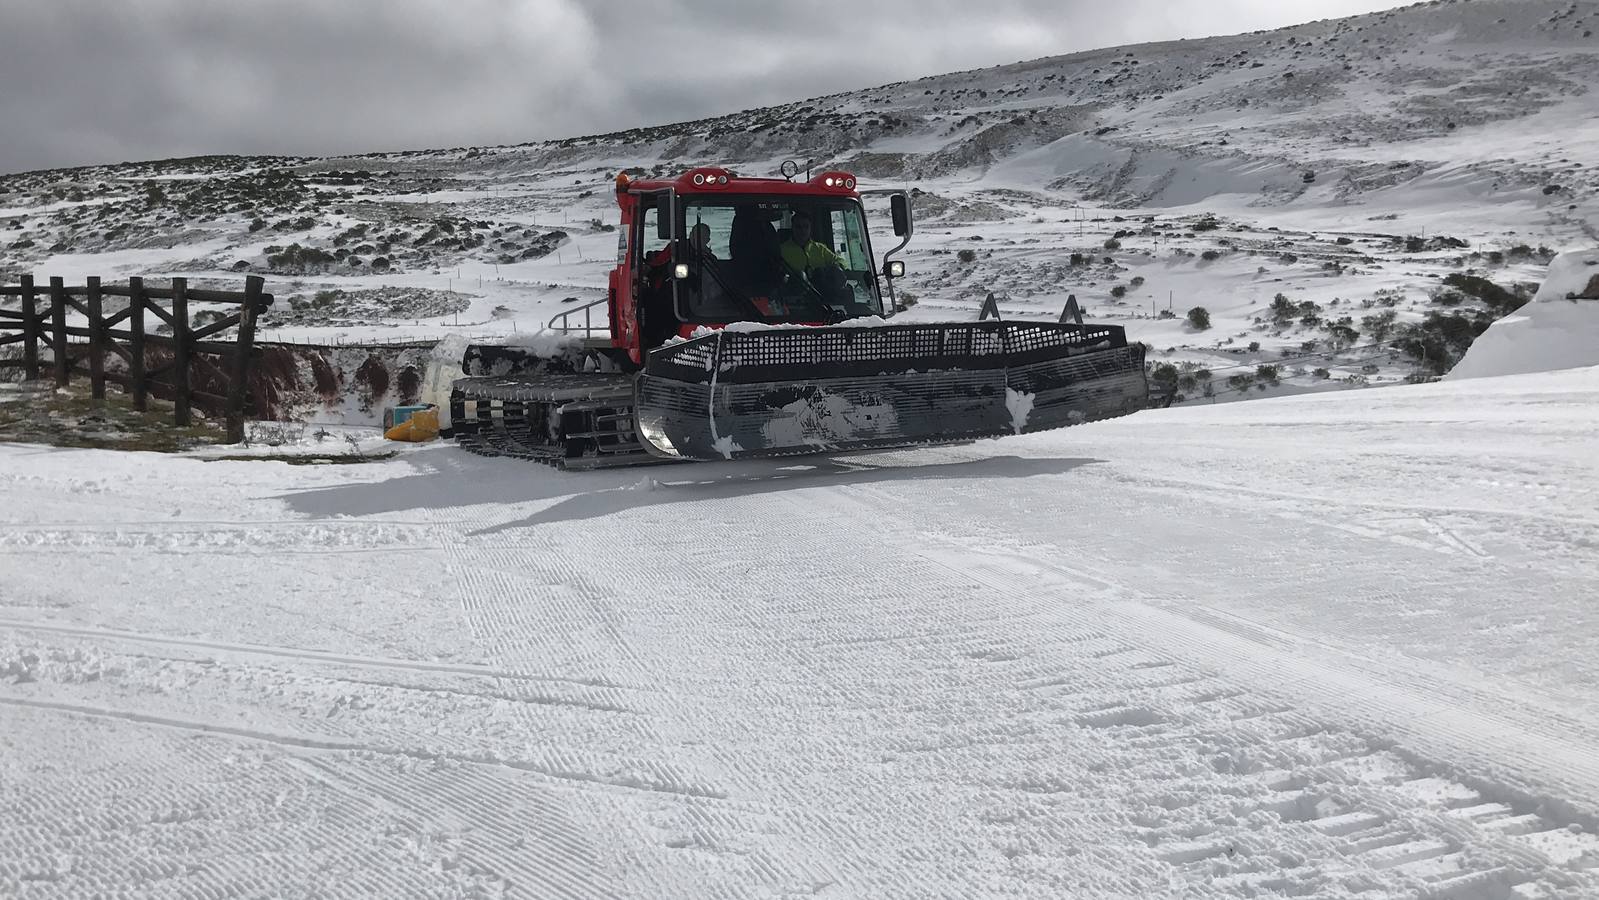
x: 194, y: 818
x: 530, y: 612
x: 516, y: 832
x: 240, y: 538
x: 578, y: 770
x: 305, y: 655
x: 1018, y: 728
x: 1356, y: 776
x: 537, y: 609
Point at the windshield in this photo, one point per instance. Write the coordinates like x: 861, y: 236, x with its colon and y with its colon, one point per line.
x: 776, y: 259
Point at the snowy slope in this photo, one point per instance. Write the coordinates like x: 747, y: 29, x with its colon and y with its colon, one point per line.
x: 1341, y: 645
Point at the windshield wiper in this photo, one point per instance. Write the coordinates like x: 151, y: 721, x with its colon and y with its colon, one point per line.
x: 828, y: 312
x: 713, y: 265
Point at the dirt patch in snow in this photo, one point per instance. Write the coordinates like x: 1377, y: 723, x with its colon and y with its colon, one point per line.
x: 350, y: 385
x: 363, y: 307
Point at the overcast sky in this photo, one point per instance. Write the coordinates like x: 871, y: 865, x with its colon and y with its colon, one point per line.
x: 90, y: 81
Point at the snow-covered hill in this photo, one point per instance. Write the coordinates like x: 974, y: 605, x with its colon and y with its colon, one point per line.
x: 1310, y: 188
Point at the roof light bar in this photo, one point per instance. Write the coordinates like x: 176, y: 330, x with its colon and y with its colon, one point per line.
x: 705, y: 177
x: 838, y: 181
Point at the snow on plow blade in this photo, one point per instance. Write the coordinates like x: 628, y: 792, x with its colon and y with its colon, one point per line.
x: 789, y: 391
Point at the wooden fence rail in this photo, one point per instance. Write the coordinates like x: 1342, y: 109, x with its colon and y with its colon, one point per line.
x: 185, y: 366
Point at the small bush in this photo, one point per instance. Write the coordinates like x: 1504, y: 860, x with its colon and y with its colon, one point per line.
x: 1495, y: 297
x: 1199, y: 317
x: 967, y: 256
x: 1322, y: 373
x: 1119, y: 291
x: 1283, y: 310
x: 1210, y: 255
x: 1439, y: 341
x: 1254, y: 346
x: 1342, y: 332
x: 206, y: 317
x: 1164, y: 377
x: 1138, y: 281
x: 1113, y: 244
x: 1379, y: 326
x: 1268, y: 374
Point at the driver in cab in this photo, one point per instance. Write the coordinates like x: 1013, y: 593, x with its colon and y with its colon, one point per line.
x: 813, y: 263
x: 800, y: 253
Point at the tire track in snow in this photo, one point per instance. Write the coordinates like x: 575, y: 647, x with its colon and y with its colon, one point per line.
x: 536, y: 621
x: 316, y: 656
x: 532, y: 592
x: 1409, y: 837
x: 509, y: 828
x: 556, y: 766
x: 151, y: 813
x: 243, y: 538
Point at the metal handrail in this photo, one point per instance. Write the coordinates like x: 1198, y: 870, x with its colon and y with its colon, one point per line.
x: 561, y: 322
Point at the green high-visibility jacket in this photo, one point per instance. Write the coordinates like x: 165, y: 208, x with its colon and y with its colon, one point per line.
x: 812, y: 256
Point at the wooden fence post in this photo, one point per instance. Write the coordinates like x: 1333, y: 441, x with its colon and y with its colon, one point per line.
x: 30, y: 330
x: 180, y: 351
x: 96, y: 340
x: 136, y: 344
x: 239, y: 378
x: 58, y: 323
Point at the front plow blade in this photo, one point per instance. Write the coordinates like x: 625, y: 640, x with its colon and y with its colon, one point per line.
x: 791, y: 391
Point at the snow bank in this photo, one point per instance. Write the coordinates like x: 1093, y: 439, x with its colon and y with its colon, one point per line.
x: 756, y: 327
x: 1557, y: 330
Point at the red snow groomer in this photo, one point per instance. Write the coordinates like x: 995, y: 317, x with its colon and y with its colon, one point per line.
x: 745, y: 319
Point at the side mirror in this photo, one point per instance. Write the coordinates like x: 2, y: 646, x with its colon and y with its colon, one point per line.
x: 894, y: 268
x: 666, y: 215
x: 901, y: 205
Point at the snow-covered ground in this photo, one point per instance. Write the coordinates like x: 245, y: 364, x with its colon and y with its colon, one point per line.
x: 1559, y: 329
x: 1335, y: 645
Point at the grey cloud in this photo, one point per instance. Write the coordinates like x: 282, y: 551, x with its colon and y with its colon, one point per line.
x: 84, y: 81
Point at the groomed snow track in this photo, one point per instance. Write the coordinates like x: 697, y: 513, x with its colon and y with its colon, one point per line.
x: 1335, y: 646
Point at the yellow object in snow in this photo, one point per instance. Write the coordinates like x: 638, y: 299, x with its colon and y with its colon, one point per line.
x: 420, y: 427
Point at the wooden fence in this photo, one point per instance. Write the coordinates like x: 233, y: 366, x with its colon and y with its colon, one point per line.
x: 184, y: 366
